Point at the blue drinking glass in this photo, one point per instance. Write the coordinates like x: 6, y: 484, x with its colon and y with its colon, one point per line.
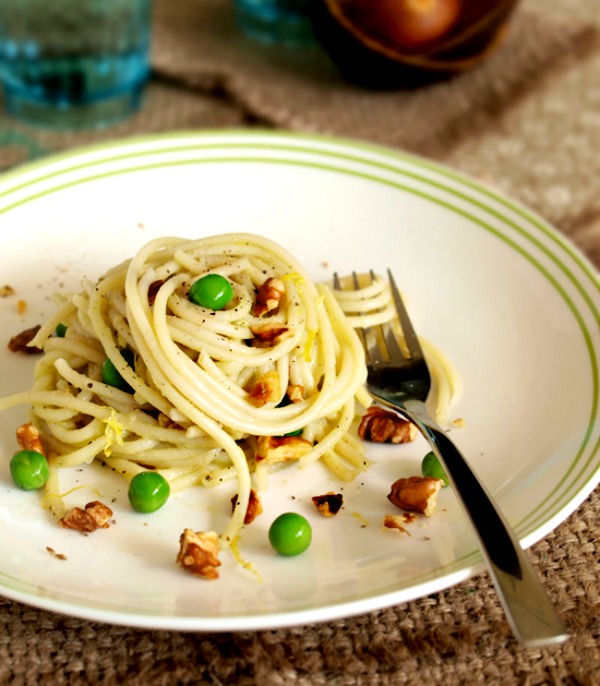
x: 282, y: 22
x: 72, y: 64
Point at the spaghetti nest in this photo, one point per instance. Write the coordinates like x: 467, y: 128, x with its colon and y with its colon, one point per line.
x: 207, y: 395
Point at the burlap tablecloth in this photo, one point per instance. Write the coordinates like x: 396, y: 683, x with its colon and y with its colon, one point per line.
x: 526, y: 121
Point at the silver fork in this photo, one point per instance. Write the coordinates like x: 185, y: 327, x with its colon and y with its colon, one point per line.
x: 402, y: 381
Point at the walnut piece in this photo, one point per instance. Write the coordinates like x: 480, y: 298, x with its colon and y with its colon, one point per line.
x: 6, y: 291
x: 383, y: 426
x: 416, y: 494
x: 95, y: 516
x: 254, y: 508
x: 396, y: 522
x: 295, y: 393
x: 265, y: 390
x: 199, y: 553
x: 20, y: 342
x: 273, y: 449
x: 28, y: 437
x: 268, y: 297
x: 328, y: 504
x: 267, y: 335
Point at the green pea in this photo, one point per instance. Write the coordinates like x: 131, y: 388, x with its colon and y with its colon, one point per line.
x: 212, y: 291
x: 112, y: 376
x: 60, y: 330
x: 29, y: 469
x: 290, y: 534
x: 430, y: 466
x: 148, y: 491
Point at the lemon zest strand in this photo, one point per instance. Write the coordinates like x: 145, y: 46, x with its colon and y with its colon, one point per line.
x: 113, y: 432
x: 235, y: 551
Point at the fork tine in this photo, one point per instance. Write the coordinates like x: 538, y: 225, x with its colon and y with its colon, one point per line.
x: 395, y: 352
x: 389, y: 337
x: 380, y: 342
x: 412, y: 342
x: 367, y: 335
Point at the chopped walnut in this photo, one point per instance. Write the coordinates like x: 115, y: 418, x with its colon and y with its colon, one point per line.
x: 408, y: 517
x: 58, y: 556
x: 95, y: 516
x: 153, y: 289
x: 295, y: 393
x: 416, y: 494
x: 273, y: 449
x: 265, y: 390
x: 6, y: 291
x: 20, y: 342
x: 28, y: 437
x: 270, y: 334
x: 328, y: 504
x: 383, y: 426
x: 199, y: 553
x: 396, y: 522
x: 254, y: 508
x: 268, y: 297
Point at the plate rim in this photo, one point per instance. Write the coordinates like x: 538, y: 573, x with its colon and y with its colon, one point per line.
x: 345, y: 608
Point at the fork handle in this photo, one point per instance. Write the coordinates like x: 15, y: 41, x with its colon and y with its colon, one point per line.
x: 532, y: 616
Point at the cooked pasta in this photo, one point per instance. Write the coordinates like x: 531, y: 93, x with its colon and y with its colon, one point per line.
x: 207, y: 394
x: 367, y: 301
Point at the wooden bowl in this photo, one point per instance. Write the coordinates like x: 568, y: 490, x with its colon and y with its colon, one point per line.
x: 364, y: 59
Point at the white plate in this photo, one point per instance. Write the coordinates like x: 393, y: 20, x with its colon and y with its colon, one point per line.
x: 511, y: 302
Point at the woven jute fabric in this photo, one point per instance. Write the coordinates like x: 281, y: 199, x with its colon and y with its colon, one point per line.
x: 198, y: 42
x: 527, y: 122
